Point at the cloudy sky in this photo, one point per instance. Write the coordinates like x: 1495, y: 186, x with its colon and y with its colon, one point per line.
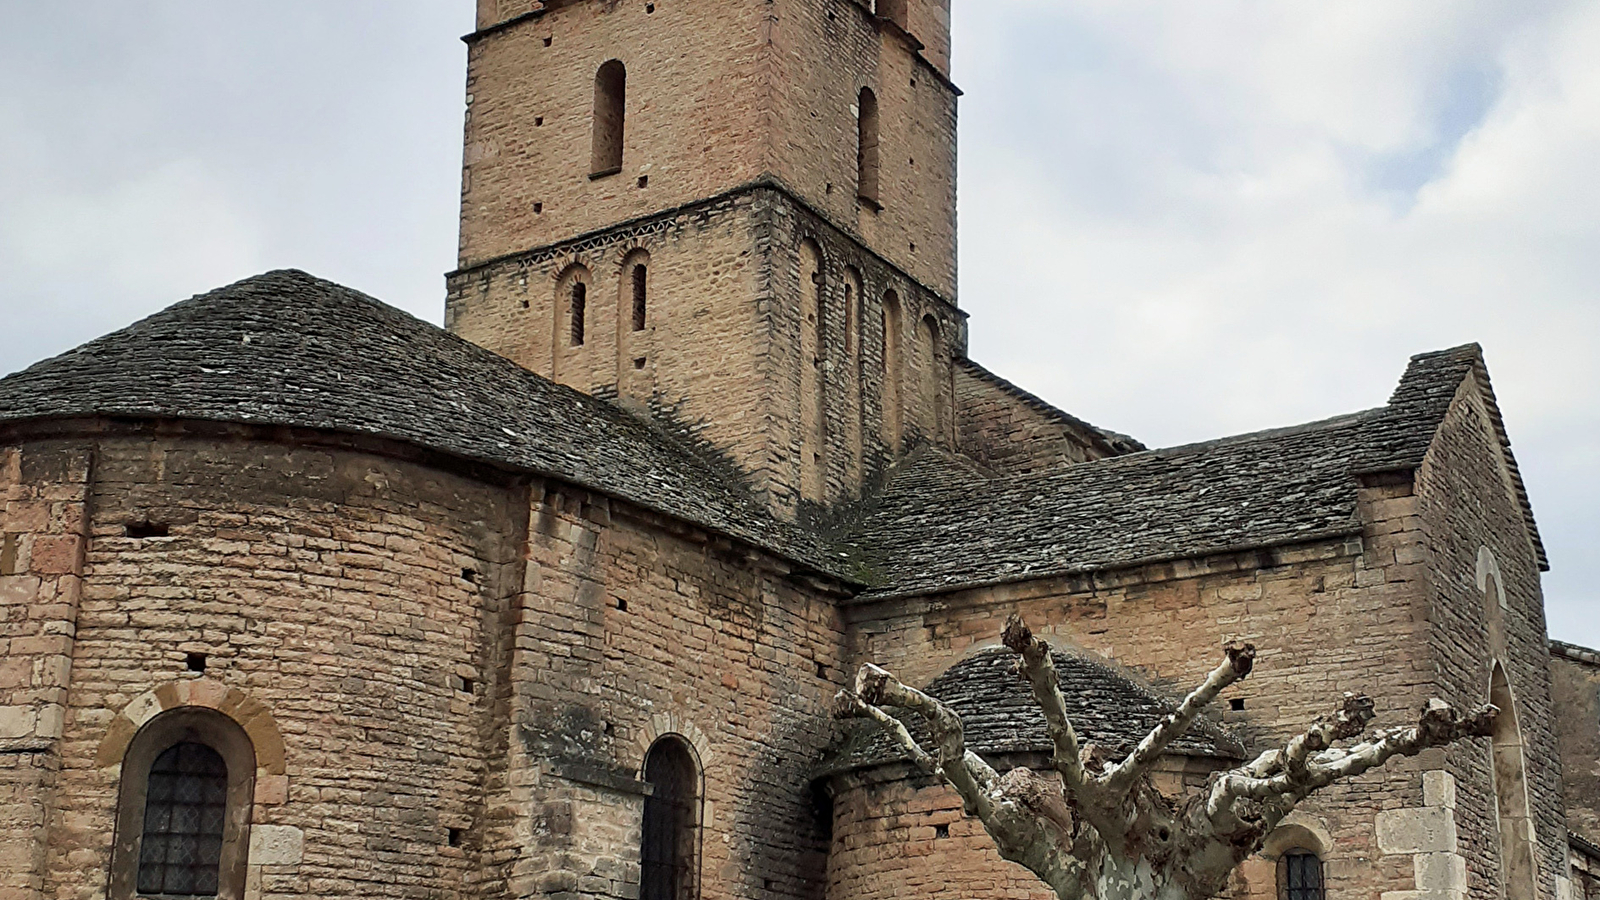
x: 1179, y: 219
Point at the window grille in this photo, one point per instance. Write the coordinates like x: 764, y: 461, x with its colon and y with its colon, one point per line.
x: 185, y: 809
x: 1302, y: 877
x: 668, y: 854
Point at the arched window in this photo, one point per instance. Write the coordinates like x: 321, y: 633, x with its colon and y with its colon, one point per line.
x: 893, y: 367
x: 931, y: 362
x: 813, y: 356
x: 578, y: 306
x: 852, y: 310
x: 1518, y: 873
x: 1300, y: 876
x: 610, y: 111
x: 867, y: 148
x: 183, y: 816
x: 893, y: 10
x: 670, y: 852
x: 641, y: 284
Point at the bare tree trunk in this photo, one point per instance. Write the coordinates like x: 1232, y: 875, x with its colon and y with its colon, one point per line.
x: 1098, y: 829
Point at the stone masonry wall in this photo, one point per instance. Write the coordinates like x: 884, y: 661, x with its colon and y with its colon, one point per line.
x: 632, y: 628
x: 721, y: 348
x: 1005, y: 428
x: 703, y: 340
x: 345, y: 598
x: 1465, y: 505
x: 43, y: 491
x: 695, y: 91
x: 823, y: 52
x: 860, y: 443
x: 1575, y: 704
x: 1327, y: 617
x: 898, y: 835
x: 719, y: 94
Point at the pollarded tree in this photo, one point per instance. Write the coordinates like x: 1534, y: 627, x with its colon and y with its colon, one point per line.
x: 1100, y: 830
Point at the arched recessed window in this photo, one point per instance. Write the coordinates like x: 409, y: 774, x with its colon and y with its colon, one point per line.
x: 1300, y: 876
x: 183, y: 816
x: 893, y: 367
x: 930, y: 399
x: 578, y: 306
x: 641, y: 286
x: 893, y: 10
x: 867, y: 148
x: 610, y: 112
x: 670, y: 852
x: 813, y: 385
x: 852, y: 311
x: 1518, y: 870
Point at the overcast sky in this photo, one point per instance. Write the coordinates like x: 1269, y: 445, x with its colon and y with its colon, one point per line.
x: 1179, y: 219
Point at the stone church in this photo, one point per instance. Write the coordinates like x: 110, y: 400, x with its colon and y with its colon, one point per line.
x: 303, y: 597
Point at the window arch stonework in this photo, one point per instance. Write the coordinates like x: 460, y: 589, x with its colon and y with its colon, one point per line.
x: 183, y: 807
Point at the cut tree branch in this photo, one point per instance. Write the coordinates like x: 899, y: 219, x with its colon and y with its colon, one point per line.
x: 1307, y: 764
x: 1039, y: 670
x: 1238, y: 660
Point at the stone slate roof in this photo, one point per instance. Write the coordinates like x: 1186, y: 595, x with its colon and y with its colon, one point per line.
x: 1106, y: 441
x: 286, y: 348
x: 289, y: 349
x: 1574, y: 652
x: 1000, y: 715
x: 937, y: 527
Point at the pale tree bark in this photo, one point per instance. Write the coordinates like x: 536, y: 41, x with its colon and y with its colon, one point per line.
x: 1102, y: 831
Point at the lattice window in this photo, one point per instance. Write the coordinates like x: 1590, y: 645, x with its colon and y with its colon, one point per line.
x: 1301, y: 877
x: 184, y: 814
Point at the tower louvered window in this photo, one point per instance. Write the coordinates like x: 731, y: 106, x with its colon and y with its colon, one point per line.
x: 185, y: 811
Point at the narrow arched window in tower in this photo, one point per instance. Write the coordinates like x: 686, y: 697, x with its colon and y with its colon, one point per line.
x: 669, y: 854
x: 893, y: 369
x: 1300, y: 876
x: 931, y: 375
x: 579, y: 306
x: 641, y: 280
x: 813, y: 384
x: 185, y: 808
x: 867, y: 148
x: 894, y: 11
x: 1518, y: 873
x: 850, y: 386
x: 610, y: 112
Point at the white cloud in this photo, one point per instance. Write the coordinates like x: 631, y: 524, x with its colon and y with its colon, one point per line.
x: 1180, y: 218
x: 155, y: 235
x: 1196, y: 219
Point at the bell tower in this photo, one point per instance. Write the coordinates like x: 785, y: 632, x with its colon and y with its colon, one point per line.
x: 737, y: 216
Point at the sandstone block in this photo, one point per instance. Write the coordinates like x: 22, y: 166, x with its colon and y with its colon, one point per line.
x: 276, y: 845
x: 1428, y: 830
x: 17, y: 721
x: 1439, y: 789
